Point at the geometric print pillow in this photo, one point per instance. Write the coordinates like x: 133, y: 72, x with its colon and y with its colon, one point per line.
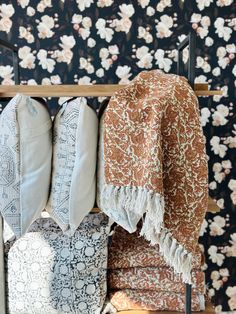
x: 75, y: 135
x: 50, y: 273
x: 25, y: 161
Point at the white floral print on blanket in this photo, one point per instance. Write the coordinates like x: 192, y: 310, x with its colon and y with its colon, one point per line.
x: 51, y: 273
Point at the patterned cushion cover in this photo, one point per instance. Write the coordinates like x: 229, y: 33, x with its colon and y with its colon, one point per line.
x: 25, y: 161
x: 51, y: 273
x: 74, y: 164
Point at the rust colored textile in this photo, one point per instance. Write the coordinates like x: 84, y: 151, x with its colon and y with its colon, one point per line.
x: 130, y: 250
x: 152, y: 278
x: 152, y: 300
x: 153, y: 165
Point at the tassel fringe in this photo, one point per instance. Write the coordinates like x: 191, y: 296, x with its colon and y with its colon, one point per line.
x: 141, y: 201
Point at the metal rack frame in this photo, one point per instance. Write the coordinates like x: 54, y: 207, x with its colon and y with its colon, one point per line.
x: 95, y: 90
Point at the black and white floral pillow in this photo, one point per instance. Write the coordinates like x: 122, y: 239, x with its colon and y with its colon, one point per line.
x: 49, y: 272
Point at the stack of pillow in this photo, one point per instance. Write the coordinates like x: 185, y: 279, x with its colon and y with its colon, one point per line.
x: 58, y: 264
x: 138, y: 277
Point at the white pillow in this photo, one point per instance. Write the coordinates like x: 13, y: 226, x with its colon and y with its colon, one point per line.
x: 73, y: 187
x: 51, y: 273
x: 25, y: 161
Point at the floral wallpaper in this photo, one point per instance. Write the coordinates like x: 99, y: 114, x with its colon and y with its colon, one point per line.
x: 108, y: 41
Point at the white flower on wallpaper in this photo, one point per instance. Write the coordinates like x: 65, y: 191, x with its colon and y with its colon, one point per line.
x: 162, y: 62
x: 214, y: 256
x: 231, y: 140
x: 164, y: 26
x: 202, y: 4
x: 86, y: 65
x: 6, y: 73
x: 27, y: 58
x: 217, y: 225
x: 6, y: 12
x: 66, y: 54
x: 23, y: 3
x: 123, y: 72
x: 25, y: 33
x: 104, y: 3
x: 45, y: 62
x: 232, y: 187
x: 220, y: 114
x: 83, y: 4
x: 108, y: 56
x: 144, y: 33
x: 205, y: 115
x: 82, y: 25
x: 43, y: 4
x: 52, y: 80
x: 224, y: 3
x: 124, y: 24
x: 103, y: 31
x: 162, y: 4
x: 231, y: 293
x: 217, y: 148
x: 150, y: 11
x: 30, y: 11
x: 45, y: 27
x: 203, y: 64
x: 143, y: 3
x: 209, y: 41
x: 222, y: 31
x: 145, y: 58
x: 204, y: 21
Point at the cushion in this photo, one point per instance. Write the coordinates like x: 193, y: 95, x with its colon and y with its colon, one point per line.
x: 72, y: 195
x: 51, y: 273
x: 25, y: 161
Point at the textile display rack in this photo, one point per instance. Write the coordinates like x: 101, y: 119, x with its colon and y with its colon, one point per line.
x: 98, y: 90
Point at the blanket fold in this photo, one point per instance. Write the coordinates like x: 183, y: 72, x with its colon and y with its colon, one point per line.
x: 153, y: 300
x: 153, y: 165
x: 153, y: 279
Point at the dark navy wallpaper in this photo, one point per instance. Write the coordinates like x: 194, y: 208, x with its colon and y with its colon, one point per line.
x: 108, y: 41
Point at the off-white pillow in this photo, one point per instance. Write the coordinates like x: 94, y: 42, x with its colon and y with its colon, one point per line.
x: 73, y: 187
x: 50, y: 273
x: 25, y: 161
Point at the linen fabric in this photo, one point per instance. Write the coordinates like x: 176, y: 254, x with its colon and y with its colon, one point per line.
x: 153, y: 278
x: 51, y: 273
x: 25, y: 161
x: 72, y: 195
x: 153, y: 301
x: 153, y: 164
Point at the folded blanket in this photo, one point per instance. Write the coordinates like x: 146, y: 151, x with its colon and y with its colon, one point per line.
x: 130, y: 250
x: 153, y: 301
x: 152, y: 278
x: 153, y: 165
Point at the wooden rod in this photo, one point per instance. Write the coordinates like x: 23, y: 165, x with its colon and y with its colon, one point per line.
x: 97, y: 90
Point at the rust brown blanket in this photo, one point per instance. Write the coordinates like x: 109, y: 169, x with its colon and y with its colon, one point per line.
x: 153, y: 165
x: 153, y: 278
x: 153, y: 300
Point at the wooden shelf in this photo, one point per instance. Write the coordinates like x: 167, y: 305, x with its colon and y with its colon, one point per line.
x: 209, y: 310
x: 97, y: 90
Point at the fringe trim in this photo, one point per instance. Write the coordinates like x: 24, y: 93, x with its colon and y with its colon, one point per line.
x: 137, y: 200
x: 141, y: 201
x: 173, y: 252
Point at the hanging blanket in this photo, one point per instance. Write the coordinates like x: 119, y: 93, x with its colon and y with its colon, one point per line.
x: 153, y: 278
x: 130, y: 250
x: 152, y: 164
x: 153, y: 300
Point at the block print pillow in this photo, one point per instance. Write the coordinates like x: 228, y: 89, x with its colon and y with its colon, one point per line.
x: 72, y: 193
x: 25, y: 161
x: 51, y: 273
